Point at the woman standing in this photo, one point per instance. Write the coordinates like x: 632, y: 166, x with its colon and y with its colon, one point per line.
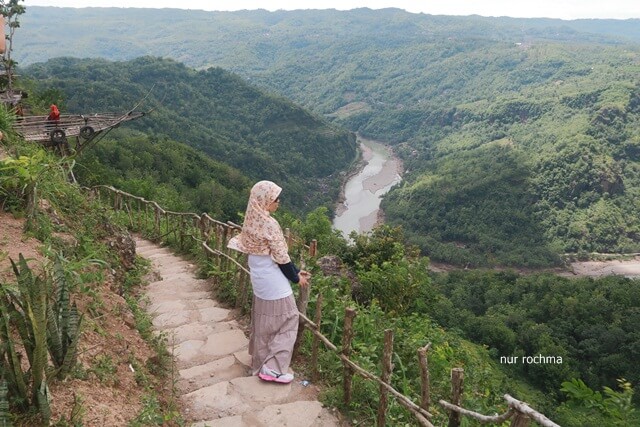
x: 274, y: 315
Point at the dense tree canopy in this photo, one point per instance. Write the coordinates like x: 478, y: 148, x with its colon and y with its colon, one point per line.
x: 261, y: 135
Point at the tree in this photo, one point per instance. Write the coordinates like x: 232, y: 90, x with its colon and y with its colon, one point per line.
x: 10, y: 10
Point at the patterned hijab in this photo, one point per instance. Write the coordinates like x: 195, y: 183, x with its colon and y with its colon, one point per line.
x: 261, y: 234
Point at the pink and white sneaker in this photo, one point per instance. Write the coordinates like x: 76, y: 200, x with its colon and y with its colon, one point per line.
x: 268, y: 374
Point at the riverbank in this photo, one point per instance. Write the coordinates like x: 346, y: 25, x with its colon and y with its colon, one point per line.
x: 364, y: 156
x: 627, y: 268
x: 376, y: 171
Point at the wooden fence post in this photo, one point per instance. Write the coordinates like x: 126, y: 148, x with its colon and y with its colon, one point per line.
x: 347, y: 337
x: 168, y: 225
x: 241, y: 295
x: 520, y: 420
x: 313, y: 248
x: 457, y: 382
x: 127, y: 206
x: 316, y: 341
x: 387, y: 368
x: 287, y: 236
x: 302, y: 303
x: 156, y: 224
x: 183, y: 225
x: 146, y: 216
x: 218, y: 237
x: 425, y: 385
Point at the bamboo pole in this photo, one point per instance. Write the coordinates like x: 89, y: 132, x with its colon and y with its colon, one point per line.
x: 425, y: 383
x: 483, y: 419
x: 387, y: 368
x: 531, y: 413
x: 457, y: 382
x: 315, y: 344
x: 347, y: 337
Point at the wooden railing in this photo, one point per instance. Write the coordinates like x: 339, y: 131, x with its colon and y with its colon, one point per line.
x: 212, y: 236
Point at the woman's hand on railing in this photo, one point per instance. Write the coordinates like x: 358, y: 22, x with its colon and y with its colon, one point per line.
x: 305, y: 278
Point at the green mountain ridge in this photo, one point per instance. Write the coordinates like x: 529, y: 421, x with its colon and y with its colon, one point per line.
x: 214, y: 111
x: 200, y: 38
x: 520, y: 136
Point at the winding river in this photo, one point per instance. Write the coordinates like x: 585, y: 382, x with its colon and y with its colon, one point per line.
x: 378, y: 172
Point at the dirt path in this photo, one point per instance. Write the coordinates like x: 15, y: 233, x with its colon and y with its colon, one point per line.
x: 210, y: 349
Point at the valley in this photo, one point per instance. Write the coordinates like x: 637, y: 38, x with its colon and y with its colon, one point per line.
x: 515, y: 143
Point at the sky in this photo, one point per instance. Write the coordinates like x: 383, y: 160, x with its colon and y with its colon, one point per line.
x: 560, y: 9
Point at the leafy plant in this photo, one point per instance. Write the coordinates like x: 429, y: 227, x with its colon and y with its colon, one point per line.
x: 20, y: 177
x: 25, y: 309
x: 46, y: 324
x: 615, y: 405
x: 4, y: 405
x: 63, y: 325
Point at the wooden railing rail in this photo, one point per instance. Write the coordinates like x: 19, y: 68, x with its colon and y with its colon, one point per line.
x: 212, y: 236
x: 420, y: 414
x: 519, y: 412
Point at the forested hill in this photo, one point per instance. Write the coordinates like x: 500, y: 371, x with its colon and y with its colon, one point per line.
x: 234, y: 39
x: 521, y: 137
x: 214, y: 111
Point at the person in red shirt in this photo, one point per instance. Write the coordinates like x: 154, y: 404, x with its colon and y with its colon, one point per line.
x: 53, y: 119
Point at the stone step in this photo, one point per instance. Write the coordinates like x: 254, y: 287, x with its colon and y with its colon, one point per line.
x: 190, y: 353
x: 193, y: 331
x: 294, y: 414
x: 173, y: 268
x: 151, y: 252
x: 201, y: 376
x: 174, y: 319
x: 184, y: 281
x: 145, y: 244
x: 217, y: 399
x: 175, y: 305
x: 210, y: 350
x: 160, y: 255
x: 169, y: 295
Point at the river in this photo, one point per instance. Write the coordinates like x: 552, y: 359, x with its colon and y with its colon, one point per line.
x: 379, y: 170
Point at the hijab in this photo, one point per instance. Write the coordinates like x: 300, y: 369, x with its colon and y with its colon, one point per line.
x: 261, y: 234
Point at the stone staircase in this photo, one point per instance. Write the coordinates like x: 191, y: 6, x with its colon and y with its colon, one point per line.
x: 210, y: 350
